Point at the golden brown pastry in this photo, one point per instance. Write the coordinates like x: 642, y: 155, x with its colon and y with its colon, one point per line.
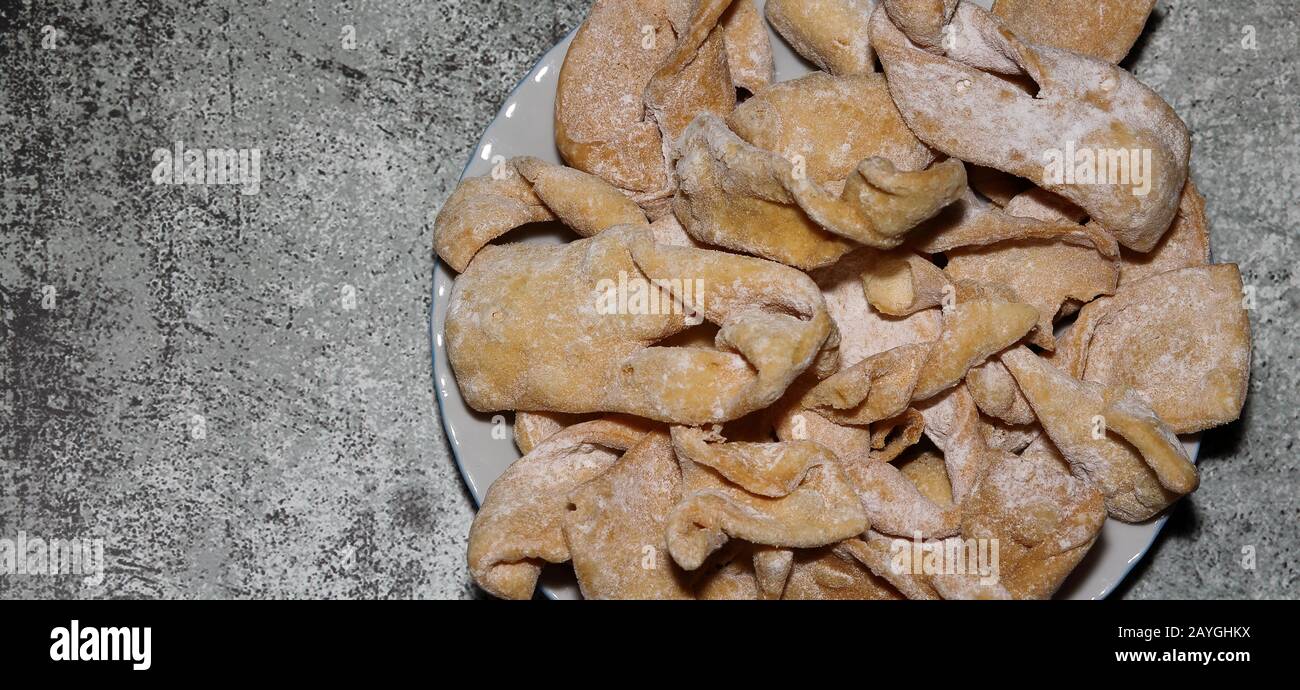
x: 518, y: 527
x: 974, y: 222
x: 614, y: 526
x: 972, y: 331
x: 1044, y: 522
x: 1044, y: 274
x: 926, y: 470
x: 1186, y: 244
x: 903, y: 282
x: 735, y: 195
x: 531, y: 428
x: 821, y: 509
x: 509, y: 353
x: 1109, y: 436
x: 772, y: 566
x: 1104, y: 29
x: 1181, y: 339
x: 831, y: 34
x: 637, y: 72
x: 863, y: 330
x: 831, y: 573
x: 896, y: 506
x: 959, y: 103
x: 832, y: 123
x: 521, y: 191
x: 749, y: 53
x: 878, y: 387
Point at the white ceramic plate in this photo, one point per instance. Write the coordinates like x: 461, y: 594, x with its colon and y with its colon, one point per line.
x: 483, y: 445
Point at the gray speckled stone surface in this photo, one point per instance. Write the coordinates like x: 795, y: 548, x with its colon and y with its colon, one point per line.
x: 234, y: 391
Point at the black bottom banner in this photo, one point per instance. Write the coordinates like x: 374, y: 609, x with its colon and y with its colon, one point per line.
x: 209, y: 640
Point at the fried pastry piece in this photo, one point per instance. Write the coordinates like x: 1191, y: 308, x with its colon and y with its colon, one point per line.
x: 1186, y: 244
x: 966, y: 586
x: 518, y: 527
x: 791, y: 422
x: 481, y: 209
x: 728, y: 575
x: 695, y: 78
x: 846, y: 433
x: 772, y: 568
x: 831, y: 573
x: 891, y: 437
x: 525, y: 190
x: 735, y: 195
x: 973, y: 222
x: 996, y: 393
x: 880, y: 553
x: 763, y: 469
x: 1011, y: 438
x: 1104, y: 29
x: 831, y: 34
x: 1181, y: 339
x: 994, y: 185
x: 961, y: 104
x: 952, y: 423
x: 902, y: 282
x: 864, y: 331
x: 749, y: 53
x: 1043, y: 274
x: 584, y: 202
x: 1109, y: 437
x: 822, y: 509
x: 622, y: 90
x: 1042, y: 449
x: 972, y: 331
x: 510, y: 350
x: 531, y: 428
x: 614, y: 526
x: 926, y: 470
x: 1039, y: 203
x: 833, y: 123
x: 732, y: 195
x: 878, y: 387
x: 1043, y: 519
x: 922, y: 20
x: 894, y: 505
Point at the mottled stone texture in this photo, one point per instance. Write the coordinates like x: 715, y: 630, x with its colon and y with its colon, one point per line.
x: 234, y: 391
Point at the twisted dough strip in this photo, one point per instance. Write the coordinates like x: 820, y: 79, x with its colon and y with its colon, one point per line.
x: 1043, y: 519
x: 735, y: 195
x: 1141, y: 472
x: 820, y: 509
x: 624, y: 94
x: 614, y: 526
x: 971, y: 221
x: 831, y: 34
x: 882, y: 385
x: 519, y: 525
x: 1104, y: 29
x: 1180, y: 338
x: 951, y: 95
x: 525, y: 190
x: 525, y: 329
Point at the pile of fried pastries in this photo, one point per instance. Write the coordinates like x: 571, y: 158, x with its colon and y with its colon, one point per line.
x: 802, y: 321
